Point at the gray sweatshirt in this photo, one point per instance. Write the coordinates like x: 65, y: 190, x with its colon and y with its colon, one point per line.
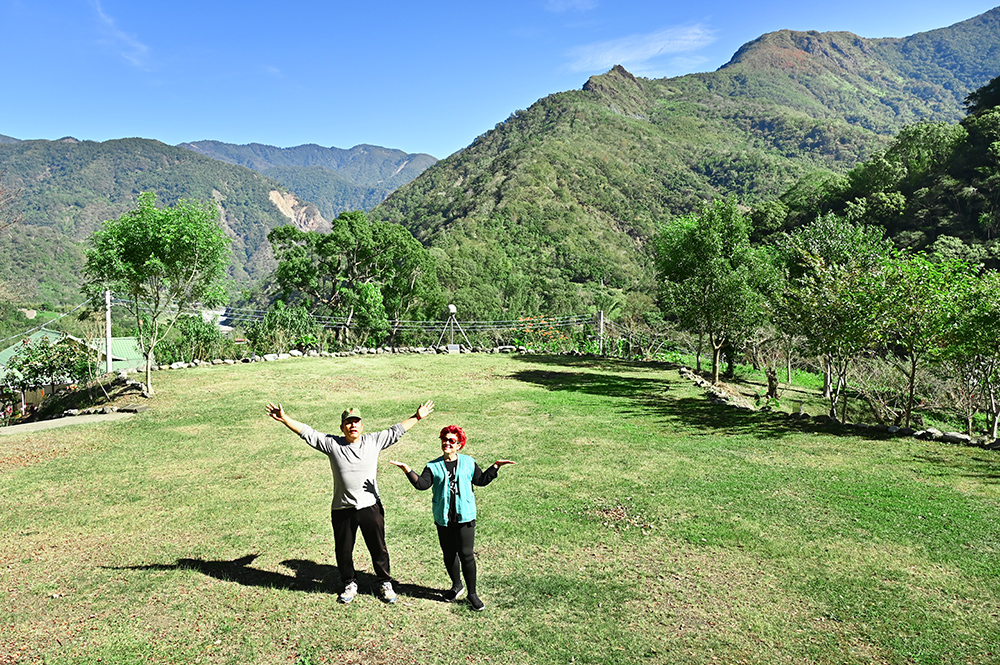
x: 353, y: 464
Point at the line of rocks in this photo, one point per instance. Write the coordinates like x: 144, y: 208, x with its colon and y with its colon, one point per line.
x: 358, y: 351
x: 720, y: 397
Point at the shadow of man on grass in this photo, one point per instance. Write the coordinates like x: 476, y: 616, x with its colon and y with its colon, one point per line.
x: 308, y: 577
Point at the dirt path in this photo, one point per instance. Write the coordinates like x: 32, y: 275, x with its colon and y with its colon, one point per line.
x: 63, y: 422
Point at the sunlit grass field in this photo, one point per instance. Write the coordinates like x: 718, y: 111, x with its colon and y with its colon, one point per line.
x: 641, y: 524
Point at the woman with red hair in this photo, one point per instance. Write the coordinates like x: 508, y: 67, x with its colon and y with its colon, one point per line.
x: 454, y: 505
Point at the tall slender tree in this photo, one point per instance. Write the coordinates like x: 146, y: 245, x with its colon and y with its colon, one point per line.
x: 713, y: 279
x: 161, y: 261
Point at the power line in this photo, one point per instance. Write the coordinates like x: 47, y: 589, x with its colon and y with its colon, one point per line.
x: 28, y: 332
x: 340, y: 322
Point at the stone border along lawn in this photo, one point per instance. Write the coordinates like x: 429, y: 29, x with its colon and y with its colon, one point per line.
x: 715, y: 394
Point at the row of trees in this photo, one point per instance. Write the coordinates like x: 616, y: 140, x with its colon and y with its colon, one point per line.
x: 838, y: 291
x: 933, y: 180
x: 834, y: 289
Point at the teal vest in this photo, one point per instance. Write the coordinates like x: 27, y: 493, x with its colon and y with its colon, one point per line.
x: 465, y: 502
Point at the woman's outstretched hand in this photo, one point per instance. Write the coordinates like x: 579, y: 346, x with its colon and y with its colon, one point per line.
x: 401, y: 465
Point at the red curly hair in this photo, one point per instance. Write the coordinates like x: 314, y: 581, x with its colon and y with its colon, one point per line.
x: 457, y: 431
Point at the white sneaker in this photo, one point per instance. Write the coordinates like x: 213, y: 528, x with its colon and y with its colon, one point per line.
x: 388, y: 595
x: 350, y: 591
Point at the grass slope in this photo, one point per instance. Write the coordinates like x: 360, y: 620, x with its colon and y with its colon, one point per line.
x: 641, y: 524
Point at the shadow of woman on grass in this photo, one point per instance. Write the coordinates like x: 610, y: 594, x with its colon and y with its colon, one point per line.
x: 308, y: 577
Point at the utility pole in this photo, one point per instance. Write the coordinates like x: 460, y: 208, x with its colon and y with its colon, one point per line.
x: 107, y: 328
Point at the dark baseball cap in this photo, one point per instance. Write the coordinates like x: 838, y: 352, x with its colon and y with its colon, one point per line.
x: 350, y: 414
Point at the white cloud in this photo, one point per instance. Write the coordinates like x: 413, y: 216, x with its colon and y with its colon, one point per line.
x: 560, y: 6
x: 128, y: 47
x: 635, y: 51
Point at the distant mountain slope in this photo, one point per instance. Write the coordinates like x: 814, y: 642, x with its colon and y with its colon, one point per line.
x: 332, y: 178
x: 69, y: 187
x: 553, y: 207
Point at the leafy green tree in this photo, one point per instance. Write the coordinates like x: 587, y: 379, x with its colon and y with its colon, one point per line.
x: 360, y: 268
x: 162, y: 261
x: 44, y: 363
x: 767, y: 218
x: 824, y: 261
x: 984, y: 99
x: 909, y: 303
x: 372, y: 321
x: 974, y: 344
x: 923, y: 150
x: 196, y: 339
x: 950, y: 248
x: 713, y: 279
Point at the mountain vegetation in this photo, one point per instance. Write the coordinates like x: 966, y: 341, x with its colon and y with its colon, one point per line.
x: 68, y: 187
x: 552, y: 210
x: 935, y: 186
x: 334, y: 179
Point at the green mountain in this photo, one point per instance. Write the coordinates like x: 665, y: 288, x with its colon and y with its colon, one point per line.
x: 551, y: 210
x: 69, y: 187
x: 335, y: 180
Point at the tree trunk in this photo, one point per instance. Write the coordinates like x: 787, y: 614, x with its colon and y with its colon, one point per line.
x: 716, y: 358
x: 697, y: 353
x: 994, y: 410
x: 149, y: 371
x: 772, y: 383
x: 913, y: 388
x: 843, y: 410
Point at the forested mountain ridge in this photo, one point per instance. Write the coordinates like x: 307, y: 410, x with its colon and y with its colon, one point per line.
x: 552, y: 208
x: 550, y: 211
x: 68, y: 187
x: 334, y: 179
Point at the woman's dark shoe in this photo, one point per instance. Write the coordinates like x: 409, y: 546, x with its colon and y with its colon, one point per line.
x: 452, y: 594
x: 476, y: 604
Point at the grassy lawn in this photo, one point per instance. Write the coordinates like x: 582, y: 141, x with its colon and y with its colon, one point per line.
x: 640, y: 525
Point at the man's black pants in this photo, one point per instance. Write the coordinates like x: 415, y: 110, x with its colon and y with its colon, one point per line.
x: 371, y: 521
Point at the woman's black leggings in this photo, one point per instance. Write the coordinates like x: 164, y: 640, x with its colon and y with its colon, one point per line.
x: 457, y: 545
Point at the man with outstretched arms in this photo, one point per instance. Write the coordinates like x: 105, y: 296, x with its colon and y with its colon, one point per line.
x: 356, y: 504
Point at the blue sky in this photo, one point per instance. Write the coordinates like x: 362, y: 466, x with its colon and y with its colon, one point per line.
x: 422, y: 77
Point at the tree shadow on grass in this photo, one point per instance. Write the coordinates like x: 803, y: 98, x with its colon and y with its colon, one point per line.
x: 652, y: 396
x: 611, y: 364
x: 309, y: 576
x: 980, y: 466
